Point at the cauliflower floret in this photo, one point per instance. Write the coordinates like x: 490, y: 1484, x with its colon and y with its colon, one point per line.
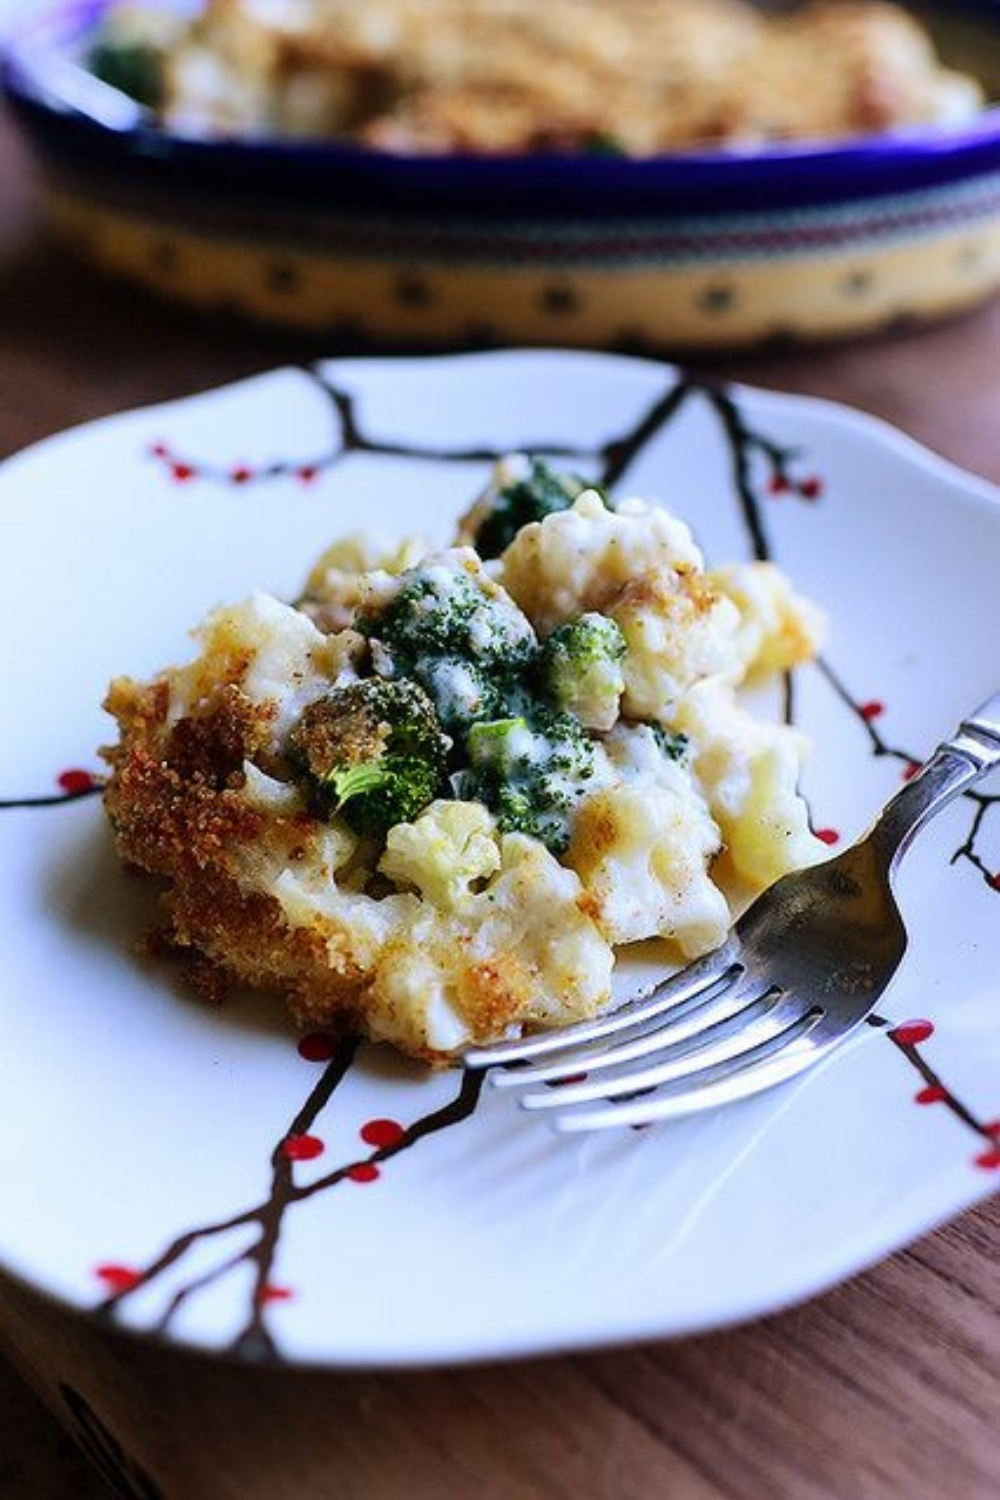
x: 579, y: 559
x: 332, y: 590
x: 677, y: 629
x: 524, y: 947
x: 777, y: 628
x: 509, y: 940
x: 642, y: 854
x: 300, y: 862
x: 269, y: 795
x: 749, y: 770
x: 443, y: 853
x: 272, y: 653
x: 316, y: 873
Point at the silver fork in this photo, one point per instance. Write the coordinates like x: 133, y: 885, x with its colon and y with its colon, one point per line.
x: 802, y: 968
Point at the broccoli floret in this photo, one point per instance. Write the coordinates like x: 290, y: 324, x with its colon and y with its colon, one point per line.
x: 580, y: 669
x: 461, y: 691
x: 603, y: 143
x: 463, y: 640
x: 130, y: 47
x: 373, y: 751
x: 540, y: 493
x: 134, y: 67
x: 447, y: 611
x: 531, y: 771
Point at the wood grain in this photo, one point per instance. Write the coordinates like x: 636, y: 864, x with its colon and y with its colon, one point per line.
x: 884, y: 1389
x: 887, y: 1388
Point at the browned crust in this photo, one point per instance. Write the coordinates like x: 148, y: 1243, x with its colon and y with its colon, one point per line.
x: 175, y: 805
x: 177, y: 810
x: 680, y: 590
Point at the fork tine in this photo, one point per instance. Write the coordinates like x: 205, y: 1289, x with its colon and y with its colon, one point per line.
x: 686, y: 1025
x: 725, y: 1083
x: 715, y: 968
x: 761, y: 1020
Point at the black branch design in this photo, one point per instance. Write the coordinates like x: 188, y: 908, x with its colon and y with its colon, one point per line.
x: 983, y: 805
x: 254, y: 1340
x: 761, y: 470
x: 52, y: 799
x: 611, y: 459
x: 908, y: 1037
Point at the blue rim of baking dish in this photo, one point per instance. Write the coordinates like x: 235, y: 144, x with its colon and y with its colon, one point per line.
x: 541, y: 186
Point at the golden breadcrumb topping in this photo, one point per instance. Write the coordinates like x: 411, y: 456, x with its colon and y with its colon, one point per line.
x: 429, y: 801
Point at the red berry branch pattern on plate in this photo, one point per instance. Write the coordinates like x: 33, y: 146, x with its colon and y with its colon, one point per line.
x: 386, y: 1139
x: 73, y: 784
x: 761, y: 468
x: 908, y: 1037
x: 984, y: 805
x: 610, y: 459
x: 763, y: 472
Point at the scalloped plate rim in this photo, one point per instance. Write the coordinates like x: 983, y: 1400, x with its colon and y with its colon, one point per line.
x: 818, y: 1278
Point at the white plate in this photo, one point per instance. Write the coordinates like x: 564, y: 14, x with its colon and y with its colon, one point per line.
x: 131, y: 1116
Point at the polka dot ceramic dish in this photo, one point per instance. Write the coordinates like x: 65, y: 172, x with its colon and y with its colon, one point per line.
x: 710, y: 250
x: 212, y: 1176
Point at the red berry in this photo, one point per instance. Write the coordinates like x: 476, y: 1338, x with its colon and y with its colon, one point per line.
x: 302, y: 1147
x: 318, y: 1046
x: 307, y: 473
x: 118, y: 1279
x: 912, y: 1033
x: 989, y: 1159
x: 182, y: 472
x: 932, y: 1094
x: 873, y: 709
x: 381, y: 1133
x: 363, y: 1171
x: 241, y: 474
x: 828, y: 835
x: 75, y: 781
x: 811, y: 487
x: 779, y: 485
x: 271, y: 1292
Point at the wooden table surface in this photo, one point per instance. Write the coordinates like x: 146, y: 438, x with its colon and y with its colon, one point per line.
x: 886, y: 1387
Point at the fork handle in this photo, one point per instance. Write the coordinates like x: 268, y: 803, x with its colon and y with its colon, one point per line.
x: 957, y: 764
